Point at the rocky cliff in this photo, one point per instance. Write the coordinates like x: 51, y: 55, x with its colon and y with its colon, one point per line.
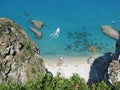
x: 114, y: 71
x: 107, y: 67
x: 19, y: 56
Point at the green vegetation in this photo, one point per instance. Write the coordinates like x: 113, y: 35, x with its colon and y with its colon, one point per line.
x: 9, y: 24
x: 1, y: 29
x: 48, y: 82
x: 28, y: 47
x: 33, y: 70
x: 22, y: 57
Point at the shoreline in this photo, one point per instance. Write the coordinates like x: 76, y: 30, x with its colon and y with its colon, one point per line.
x: 69, y: 65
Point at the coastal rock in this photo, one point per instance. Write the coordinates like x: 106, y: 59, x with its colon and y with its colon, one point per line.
x: 19, y: 56
x: 106, y: 68
x: 99, y: 69
x: 39, y: 34
x: 111, y: 32
x: 114, y: 71
x: 37, y: 24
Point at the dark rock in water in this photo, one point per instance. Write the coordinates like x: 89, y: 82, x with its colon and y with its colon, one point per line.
x: 83, y: 27
x: 26, y: 14
x: 78, y: 36
x: 68, y: 46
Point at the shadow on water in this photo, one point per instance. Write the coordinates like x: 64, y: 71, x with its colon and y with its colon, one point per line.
x: 83, y: 42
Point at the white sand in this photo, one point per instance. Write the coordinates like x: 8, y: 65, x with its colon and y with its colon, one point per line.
x: 69, y: 65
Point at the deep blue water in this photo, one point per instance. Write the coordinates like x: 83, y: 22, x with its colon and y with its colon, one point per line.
x: 79, y: 21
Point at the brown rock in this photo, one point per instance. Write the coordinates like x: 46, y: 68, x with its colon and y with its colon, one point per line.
x: 37, y: 24
x: 109, y: 31
x: 39, y: 34
x: 93, y: 49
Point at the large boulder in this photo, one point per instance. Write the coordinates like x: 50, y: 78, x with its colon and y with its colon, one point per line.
x: 99, y: 69
x: 19, y: 56
x: 111, y: 32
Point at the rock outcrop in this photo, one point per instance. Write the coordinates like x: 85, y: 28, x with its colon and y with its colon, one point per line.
x: 19, y: 56
x: 38, y: 34
x: 99, y: 69
x: 37, y: 24
x: 114, y: 71
x: 107, y: 67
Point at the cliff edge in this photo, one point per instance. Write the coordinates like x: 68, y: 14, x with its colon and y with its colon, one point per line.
x: 19, y: 56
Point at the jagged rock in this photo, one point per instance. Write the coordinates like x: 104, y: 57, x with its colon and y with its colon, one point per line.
x: 114, y: 71
x: 109, y: 31
x: 37, y: 24
x: 18, y: 54
x: 99, y: 69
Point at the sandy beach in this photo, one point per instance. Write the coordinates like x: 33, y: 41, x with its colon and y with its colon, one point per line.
x: 69, y: 65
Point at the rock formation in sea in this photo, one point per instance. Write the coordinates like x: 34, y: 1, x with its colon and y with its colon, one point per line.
x: 37, y: 24
x: 38, y: 34
x: 111, y: 32
x: 19, y: 56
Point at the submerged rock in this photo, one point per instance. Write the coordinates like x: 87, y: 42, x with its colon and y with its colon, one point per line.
x: 109, y: 31
x: 93, y: 49
x: 19, y: 56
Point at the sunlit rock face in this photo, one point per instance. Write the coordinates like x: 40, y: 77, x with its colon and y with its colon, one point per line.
x: 114, y: 71
x: 19, y: 56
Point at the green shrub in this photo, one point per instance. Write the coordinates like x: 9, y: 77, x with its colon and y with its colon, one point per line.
x: 100, y: 86
x: 46, y: 81
x: 116, y: 86
x: 33, y: 70
x: 4, y: 86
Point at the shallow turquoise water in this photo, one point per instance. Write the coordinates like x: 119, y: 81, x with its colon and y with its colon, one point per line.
x: 79, y: 20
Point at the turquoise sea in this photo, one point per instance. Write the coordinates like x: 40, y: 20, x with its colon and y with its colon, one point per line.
x: 79, y: 21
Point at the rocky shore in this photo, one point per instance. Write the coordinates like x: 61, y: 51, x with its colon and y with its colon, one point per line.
x: 19, y: 56
x: 20, y: 59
